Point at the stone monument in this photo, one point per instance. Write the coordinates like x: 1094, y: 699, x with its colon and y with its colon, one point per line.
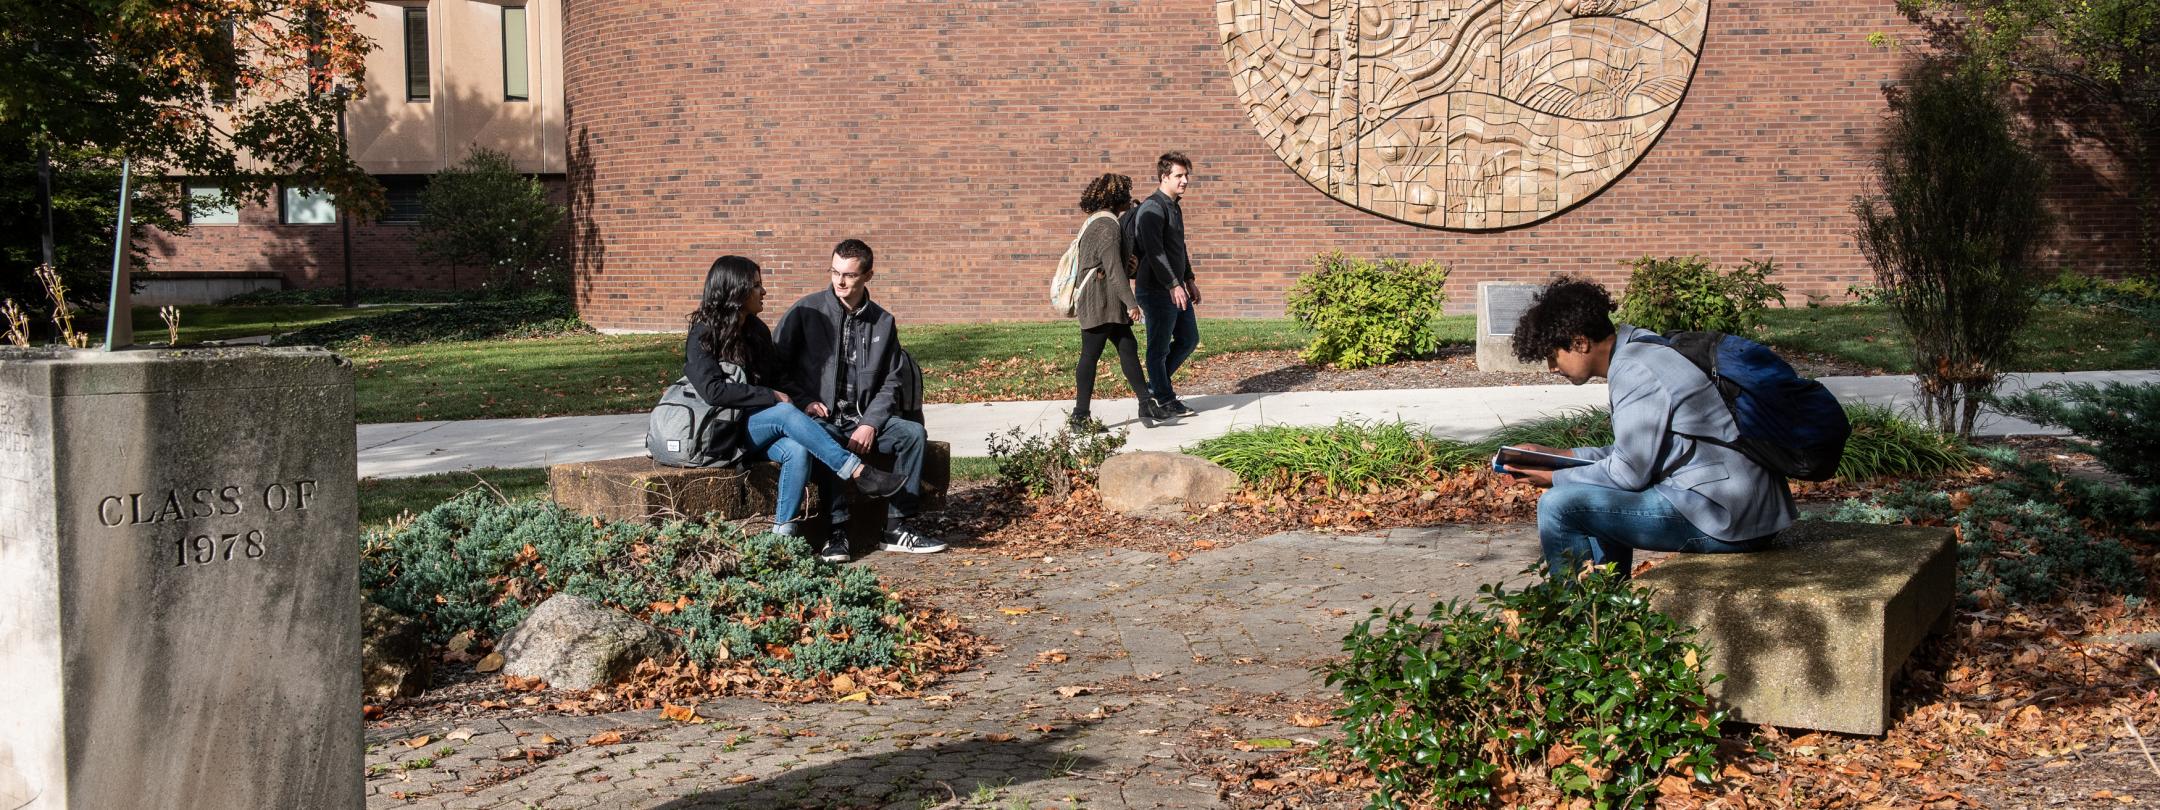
x: 1499, y: 305
x: 179, y: 593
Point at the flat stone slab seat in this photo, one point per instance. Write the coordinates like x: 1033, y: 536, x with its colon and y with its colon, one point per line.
x: 1811, y: 632
x: 637, y: 489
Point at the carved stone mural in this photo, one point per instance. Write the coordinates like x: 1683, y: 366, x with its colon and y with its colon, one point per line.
x: 1462, y: 114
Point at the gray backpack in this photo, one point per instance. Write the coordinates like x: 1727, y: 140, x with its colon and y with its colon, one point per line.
x: 686, y: 431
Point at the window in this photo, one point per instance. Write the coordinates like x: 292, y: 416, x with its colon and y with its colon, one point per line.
x: 402, y: 194
x: 207, y: 207
x: 306, y: 206
x: 416, y: 53
x: 517, y: 79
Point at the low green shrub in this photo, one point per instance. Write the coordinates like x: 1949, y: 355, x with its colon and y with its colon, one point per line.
x: 533, y: 316
x: 2080, y: 290
x: 1050, y: 464
x: 479, y: 563
x: 1686, y: 293
x: 1364, y: 313
x: 1348, y: 455
x: 2024, y: 550
x: 1439, y: 708
x: 336, y: 295
x: 1581, y: 427
x: 1886, y: 444
x: 2119, y: 423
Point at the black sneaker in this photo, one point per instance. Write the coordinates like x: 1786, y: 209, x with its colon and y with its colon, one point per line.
x: 908, y: 542
x: 836, y: 549
x: 1150, y: 413
x: 1083, y: 422
x: 1178, y: 409
x: 878, y: 483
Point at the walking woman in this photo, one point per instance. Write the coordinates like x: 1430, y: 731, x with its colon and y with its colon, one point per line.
x: 1105, y: 307
x: 731, y: 361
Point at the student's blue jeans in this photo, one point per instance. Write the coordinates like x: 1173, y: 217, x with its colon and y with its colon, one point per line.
x: 1602, y: 525
x: 1172, y: 334
x: 790, y: 438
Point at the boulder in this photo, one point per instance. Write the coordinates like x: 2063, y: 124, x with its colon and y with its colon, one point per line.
x: 574, y: 643
x: 1811, y: 632
x: 394, y: 655
x: 1156, y: 484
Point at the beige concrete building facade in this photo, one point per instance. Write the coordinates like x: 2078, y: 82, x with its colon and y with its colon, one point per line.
x: 445, y: 77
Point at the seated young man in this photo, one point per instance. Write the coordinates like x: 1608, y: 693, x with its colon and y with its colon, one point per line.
x: 845, y: 351
x: 1670, y: 481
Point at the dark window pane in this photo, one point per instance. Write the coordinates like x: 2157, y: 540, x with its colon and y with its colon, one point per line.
x: 402, y: 194
x: 416, y: 53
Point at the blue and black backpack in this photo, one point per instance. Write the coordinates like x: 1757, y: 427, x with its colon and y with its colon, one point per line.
x: 1789, y: 424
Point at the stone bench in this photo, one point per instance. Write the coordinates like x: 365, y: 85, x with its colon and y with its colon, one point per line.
x: 637, y: 489
x: 1811, y: 632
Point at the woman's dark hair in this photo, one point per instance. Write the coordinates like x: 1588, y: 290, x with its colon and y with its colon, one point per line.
x: 1566, y: 309
x: 720, y: 309
x: 1110, y: 192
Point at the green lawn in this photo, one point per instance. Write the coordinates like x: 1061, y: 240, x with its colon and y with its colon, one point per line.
x: 212, y: 322
x: 384, y: 499
x: 2056, y: 339
x: 586, y: 374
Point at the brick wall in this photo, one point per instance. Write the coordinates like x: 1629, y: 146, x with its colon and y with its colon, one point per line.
x: 310, y: 256
x: 955, y: 138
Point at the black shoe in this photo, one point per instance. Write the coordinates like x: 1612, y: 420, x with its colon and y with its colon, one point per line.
x: 1151, y: 413
x: 836, y: 549
x: 878, y: 483
x: 907, y: 542
x: 1177, y: 409
x: 1081, y: 421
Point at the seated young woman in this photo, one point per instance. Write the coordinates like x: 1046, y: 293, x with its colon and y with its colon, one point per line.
x: 731, y: 362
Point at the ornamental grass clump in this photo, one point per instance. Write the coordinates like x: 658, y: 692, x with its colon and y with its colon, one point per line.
x: 479, y: 563
x: 1345, y: 456
x: 1579, y: 683
x: 1364, y: 313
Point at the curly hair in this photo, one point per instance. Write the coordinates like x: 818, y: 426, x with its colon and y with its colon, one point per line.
x: 1110, y: 192
x: 1566, y: 309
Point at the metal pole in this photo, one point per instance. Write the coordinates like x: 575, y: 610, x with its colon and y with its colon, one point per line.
x: 119, y: 309
x: 44, y: 200
x: 352, y: 298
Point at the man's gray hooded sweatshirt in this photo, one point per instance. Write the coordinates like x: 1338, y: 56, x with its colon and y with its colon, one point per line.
x: 819, y: 339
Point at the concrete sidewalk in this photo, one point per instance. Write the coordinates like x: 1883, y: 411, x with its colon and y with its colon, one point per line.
x: 419, y: 448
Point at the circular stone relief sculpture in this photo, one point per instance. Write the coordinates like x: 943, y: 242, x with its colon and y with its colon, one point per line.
x: 1461, y: 114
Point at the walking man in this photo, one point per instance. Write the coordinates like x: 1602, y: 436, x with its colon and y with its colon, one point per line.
x: 844, y: 349
x: 1164, y: 286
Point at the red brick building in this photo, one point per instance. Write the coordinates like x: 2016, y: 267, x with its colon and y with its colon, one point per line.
x: 955, y: 138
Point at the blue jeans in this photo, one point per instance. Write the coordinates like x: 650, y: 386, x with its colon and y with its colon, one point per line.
x: 901, y: 439
x: 1172, y: 334
x: 1601, y: 525
x: 791, y: 438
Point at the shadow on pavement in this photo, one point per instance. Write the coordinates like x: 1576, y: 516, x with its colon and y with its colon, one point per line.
x: 876, y: 780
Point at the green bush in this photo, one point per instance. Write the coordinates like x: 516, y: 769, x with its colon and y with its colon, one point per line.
x: 2073, y: 289
x: 2118, y: 422
x: 1580, y: 427
x: 1955, y: 232
x: 1365, y: 314
x: 532, y: 316
x: 1348, y: 455
x: 1438, y: 708
x: 481, y: 213
x: 478, y: 563
x: 1886, y: 444
x: 1686, y: 293
x: 2025, y: 550
x: 1049, y: 464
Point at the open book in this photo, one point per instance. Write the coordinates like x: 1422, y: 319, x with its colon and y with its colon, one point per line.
x: 1520, y: 458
